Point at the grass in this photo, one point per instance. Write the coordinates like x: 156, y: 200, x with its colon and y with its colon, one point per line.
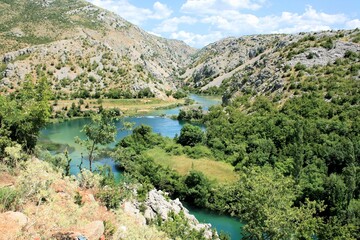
x: 219, y: 171
x: 128, y: 106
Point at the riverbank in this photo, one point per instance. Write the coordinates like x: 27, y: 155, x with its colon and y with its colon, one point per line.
x: 65, y: 109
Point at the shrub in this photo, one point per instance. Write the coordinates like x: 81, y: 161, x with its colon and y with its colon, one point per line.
x: 110, y: 197
x: 9, y: 199
x: 179, y: 94
x: 190, y: 135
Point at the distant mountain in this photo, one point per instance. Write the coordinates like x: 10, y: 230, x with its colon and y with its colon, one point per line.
x: 83, y: 48
x: 274, y: 65
x: 87, y: 51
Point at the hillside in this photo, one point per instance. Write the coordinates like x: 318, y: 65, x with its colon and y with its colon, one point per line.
x: 83, y: 48
x: 269, y: 64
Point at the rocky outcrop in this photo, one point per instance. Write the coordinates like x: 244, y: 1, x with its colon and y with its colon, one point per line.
x: 262, y: 64
x: 156, y: 204
x: 322, y: 56
x: 11, y: 224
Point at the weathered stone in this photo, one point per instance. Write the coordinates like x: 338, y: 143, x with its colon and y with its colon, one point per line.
x: 11, y: 224
x: 157, y: 204
x: 94, y: 230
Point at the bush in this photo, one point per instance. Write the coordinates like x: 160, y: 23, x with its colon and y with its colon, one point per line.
x: 198, y: 151
x: 179, y: 94
x: 190, y: 135
x: 327, y: 44
x: 145, y: 93
x: 110, y: 197
x: 9, y: 199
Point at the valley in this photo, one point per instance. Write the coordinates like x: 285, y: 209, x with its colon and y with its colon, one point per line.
x: 111, y: 132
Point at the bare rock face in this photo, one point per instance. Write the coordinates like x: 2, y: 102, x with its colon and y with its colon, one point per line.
x: 11, y: 224
x: 321, y: 56
x: 94, y: 230
x: 157, y: 204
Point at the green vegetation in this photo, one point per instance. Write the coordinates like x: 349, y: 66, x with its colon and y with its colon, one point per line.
x: 22, y: 115
x: 220, y: 172
x: 178, y: 227
x: 100, y: 131
x: 191, y: 114
x: 190, y: 135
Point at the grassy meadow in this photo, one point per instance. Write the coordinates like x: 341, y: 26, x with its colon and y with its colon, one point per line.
x: 220, y: 171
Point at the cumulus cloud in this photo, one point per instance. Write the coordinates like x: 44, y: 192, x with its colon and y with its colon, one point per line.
x: 132, y: 13
x: 172, y: 24
x: 355, y: 23
x: 199, y: 22
x: 197, y: 5
x: 214, y: 6
x: 235, y: 22
x: 197, y: 40
x: 245, y: 4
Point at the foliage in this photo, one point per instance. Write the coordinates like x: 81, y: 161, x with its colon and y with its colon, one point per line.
x: 23, y: 114
x: 198, y: 188
x: 88, y: 179
x: 100, y: 131
x: 9, y: 199
x: 265, y: 201
x: 177, y: 226
x: 145, y: 93
x: 191, y: 114
x: 34, y: 182
x: 110, y: 197
x: 190, y: 135
x: 179, y: 94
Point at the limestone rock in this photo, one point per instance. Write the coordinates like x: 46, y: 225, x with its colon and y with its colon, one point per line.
x: 94, y: 230
x: 11, y: 224
x: 157, y: 204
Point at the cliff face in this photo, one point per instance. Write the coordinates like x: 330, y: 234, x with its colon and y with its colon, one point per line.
x: 72, y: 42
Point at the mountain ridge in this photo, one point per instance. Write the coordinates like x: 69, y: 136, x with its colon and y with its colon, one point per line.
x: 153, y: 59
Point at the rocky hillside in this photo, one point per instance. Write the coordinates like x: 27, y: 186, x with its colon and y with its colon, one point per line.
x: 271, y: 64
x: 39, y: 202
x: 83, y: 48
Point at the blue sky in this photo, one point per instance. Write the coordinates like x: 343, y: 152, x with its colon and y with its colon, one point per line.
x: 200, y: 22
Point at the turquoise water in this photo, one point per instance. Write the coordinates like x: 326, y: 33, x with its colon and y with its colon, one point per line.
x: 65, y: 132
x: 204, y: 101
x: 229, y: 225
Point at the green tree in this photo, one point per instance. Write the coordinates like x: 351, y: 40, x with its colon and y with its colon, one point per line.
x: 264, y: 199
x: 23, y: 114
x: 190, y: 135
x: 100, y: 131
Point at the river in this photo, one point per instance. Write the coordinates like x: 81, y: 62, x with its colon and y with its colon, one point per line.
x: 65, y: 132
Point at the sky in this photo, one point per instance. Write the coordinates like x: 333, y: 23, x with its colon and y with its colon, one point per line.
x: 200, y: 22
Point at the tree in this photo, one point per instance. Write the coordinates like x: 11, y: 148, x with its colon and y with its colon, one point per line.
x: 100, y: 131
x: 264, y: 199
x: 190, y: 135
x: 23, y: 114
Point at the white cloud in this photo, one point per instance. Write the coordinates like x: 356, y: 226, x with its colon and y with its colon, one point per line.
x: 161, y: 11
x: 245, y: 4
x: 214, y: 6
x: 198, y: 6
x: 235, y: 22
x: 132, y: 13
x: 172, y: 24
x: 197, y: 40
x: 355, y: 23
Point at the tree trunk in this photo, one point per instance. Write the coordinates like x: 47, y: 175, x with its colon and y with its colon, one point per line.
x: 91, y: 156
